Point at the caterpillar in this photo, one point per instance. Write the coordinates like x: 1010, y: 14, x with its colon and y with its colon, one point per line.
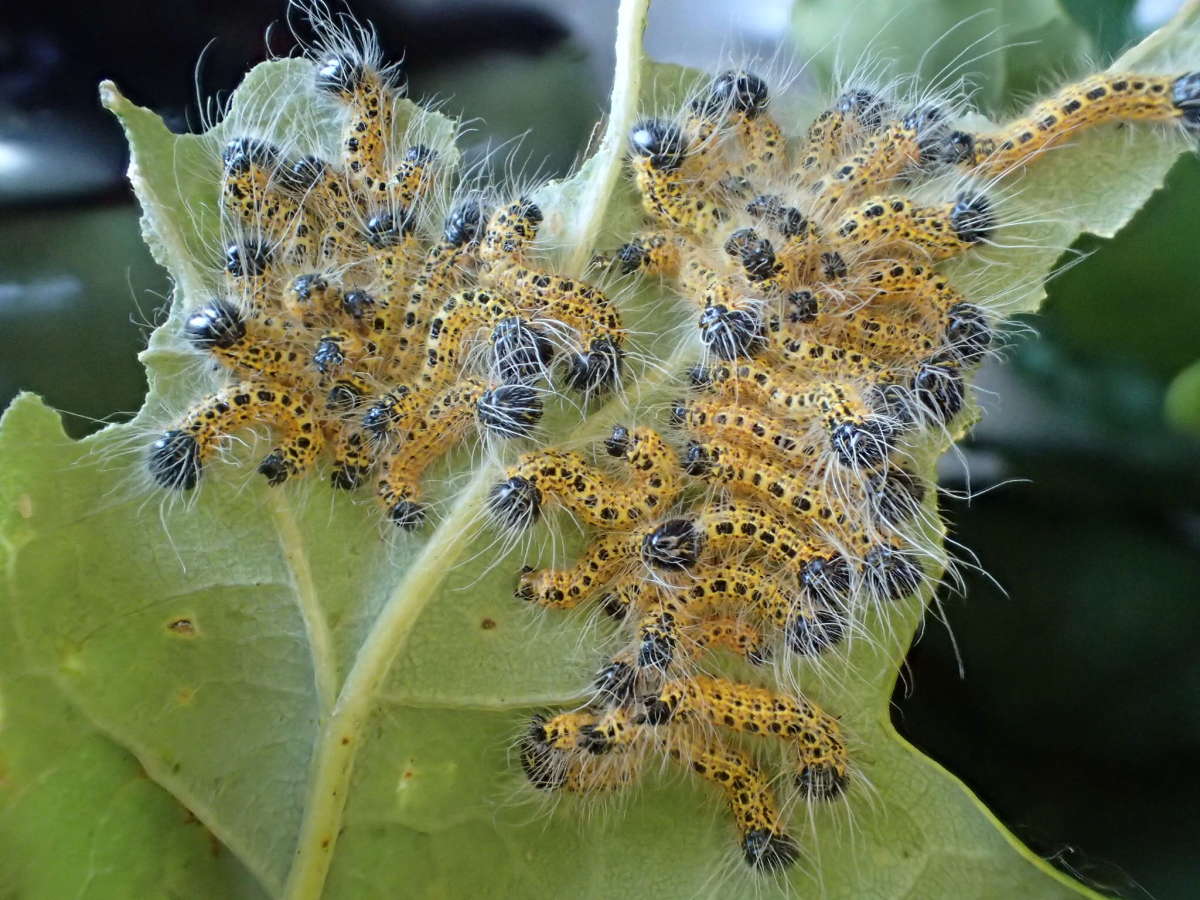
x: 777, y: 505
x: 341, y: 312
x: 832, y: 344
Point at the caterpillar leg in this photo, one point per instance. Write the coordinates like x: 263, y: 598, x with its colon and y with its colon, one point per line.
x: 177, y: 459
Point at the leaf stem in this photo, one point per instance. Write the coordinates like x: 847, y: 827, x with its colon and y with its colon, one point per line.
x: 339, y: 740
x: 316, y: 625
x: 610, y: 156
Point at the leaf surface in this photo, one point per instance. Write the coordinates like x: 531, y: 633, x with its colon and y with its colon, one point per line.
x: 233, y: 660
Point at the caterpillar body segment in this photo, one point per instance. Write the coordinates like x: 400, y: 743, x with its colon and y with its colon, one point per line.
x: 596, y: 357
x: 731, y: 634
x: 714, y: 417
x: 879, y: 162
x: 368, y: 99
x: 312, y: 299
x: 652, y: 253
x: 555, y: 765
x: 414, y: 177
x: 447, y: 268
x: 608, y: 555
x: 251, y: 197
x: 354, y: 456
x: 595, y: 360
x: 566, y: 753
x: 596, y: 498
x: 861, y: 433
x: 676, y: 622
x: 813, y: 735
x: 810, y: 624
x: 842, y: 360
x: 737, y: 101
x: 177, y: 459
x: 765, y: 844
x: 937, y: 232
x: 1096, y: 100
x: 397, y: 254
x: 855, y: 116
x: 726, y: 605
x: 255, y: 345
x: 730, y: 531
x: 800, y: 496
x: 461, y: 316
x: 440, y: 424
x: 429, y: 425
x: 670, y: 178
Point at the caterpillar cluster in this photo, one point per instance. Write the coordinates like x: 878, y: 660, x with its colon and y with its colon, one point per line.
x: 351, y: 331
x: 778, y: 503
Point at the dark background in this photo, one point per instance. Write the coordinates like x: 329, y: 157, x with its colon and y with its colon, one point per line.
x: 1079, y: 720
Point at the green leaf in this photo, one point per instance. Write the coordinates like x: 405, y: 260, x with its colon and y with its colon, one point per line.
x: 998, y: 48
x: 1183, y: 400
x: 327, y: 703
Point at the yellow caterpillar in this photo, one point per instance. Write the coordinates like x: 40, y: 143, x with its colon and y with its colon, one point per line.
x: 829, y: 343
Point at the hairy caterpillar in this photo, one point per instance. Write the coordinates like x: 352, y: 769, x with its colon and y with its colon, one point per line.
x: 359, y: 325
x: 852, y: 369
x: 833, y: 345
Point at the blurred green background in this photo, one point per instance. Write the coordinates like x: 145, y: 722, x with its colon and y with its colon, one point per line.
x: 1078, y: 721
